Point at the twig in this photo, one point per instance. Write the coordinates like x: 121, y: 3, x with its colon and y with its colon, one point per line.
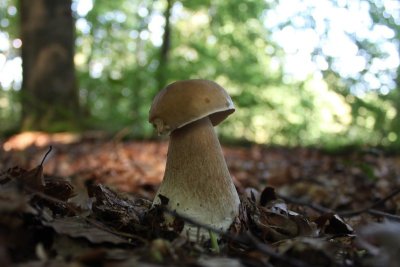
x: 45, y: 156
x: 384, y: 214
x: 352, y: 213
x: 313, y: 206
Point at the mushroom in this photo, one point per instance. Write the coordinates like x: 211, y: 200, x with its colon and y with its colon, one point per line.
x: 196, y: 181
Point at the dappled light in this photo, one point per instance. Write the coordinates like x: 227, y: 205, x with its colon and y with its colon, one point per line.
x: 200, y: 133
x: 39, y: 139
x: 329, y: 72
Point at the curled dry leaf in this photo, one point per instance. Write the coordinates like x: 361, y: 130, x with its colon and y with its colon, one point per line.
x: 58, y: 187
x: 267, y: 196
x: 332, y: 224
x: 32, y: 179
x: 122, y: 212
x: 272, y: 221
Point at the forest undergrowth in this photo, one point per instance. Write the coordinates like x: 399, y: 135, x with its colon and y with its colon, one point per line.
x: 88, y: 203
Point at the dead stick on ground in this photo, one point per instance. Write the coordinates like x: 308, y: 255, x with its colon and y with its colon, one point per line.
x: 384, y: 214
x: 370, y: 207
x: 350, y: 213
x: 313, y: 206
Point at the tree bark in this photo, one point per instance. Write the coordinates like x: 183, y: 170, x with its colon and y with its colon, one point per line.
x: 49, y: 88
x: 165, y: 48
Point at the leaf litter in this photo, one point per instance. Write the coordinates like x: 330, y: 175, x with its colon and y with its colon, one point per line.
x: 89, y: 204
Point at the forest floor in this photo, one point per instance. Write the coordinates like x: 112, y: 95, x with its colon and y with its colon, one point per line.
x: 89, y: 205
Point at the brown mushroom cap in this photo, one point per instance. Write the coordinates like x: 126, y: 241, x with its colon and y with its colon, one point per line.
x: 183, y: 102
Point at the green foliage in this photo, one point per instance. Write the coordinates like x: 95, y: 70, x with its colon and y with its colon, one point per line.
x: 9, y: 18
x: 120, y: 69
x: 374, y: 112
x: 9, y: 111
x: 9, y: 100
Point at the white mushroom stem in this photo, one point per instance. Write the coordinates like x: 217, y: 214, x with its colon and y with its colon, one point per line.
x: 196, y: 180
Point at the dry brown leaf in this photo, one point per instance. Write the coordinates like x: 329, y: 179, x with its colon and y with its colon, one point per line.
x: 79, y: 228
x: 332, y: 224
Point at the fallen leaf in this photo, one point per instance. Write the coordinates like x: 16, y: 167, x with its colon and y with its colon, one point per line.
x: 123, y: 212
x: 332, y: 224
x: 79, y: 228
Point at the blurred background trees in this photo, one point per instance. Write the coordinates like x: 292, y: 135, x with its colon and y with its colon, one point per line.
x: 49, y: 95
x: 300, y: 72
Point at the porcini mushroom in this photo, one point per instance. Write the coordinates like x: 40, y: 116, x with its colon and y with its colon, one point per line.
x: 196, y: 181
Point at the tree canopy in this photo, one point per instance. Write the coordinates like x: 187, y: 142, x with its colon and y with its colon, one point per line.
x: 128, y: 50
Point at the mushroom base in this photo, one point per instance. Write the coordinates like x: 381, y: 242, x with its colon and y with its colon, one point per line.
x: 197, y: 180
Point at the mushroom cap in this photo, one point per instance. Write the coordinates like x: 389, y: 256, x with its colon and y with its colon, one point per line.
x: 183, y: 102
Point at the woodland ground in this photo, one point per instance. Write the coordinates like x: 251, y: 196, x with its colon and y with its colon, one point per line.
x: 300, y: 206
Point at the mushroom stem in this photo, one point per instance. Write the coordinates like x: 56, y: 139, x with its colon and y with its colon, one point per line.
x: 197, y: 180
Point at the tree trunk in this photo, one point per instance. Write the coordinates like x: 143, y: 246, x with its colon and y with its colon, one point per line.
x: 49, y: 89
x: 165, y: 48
